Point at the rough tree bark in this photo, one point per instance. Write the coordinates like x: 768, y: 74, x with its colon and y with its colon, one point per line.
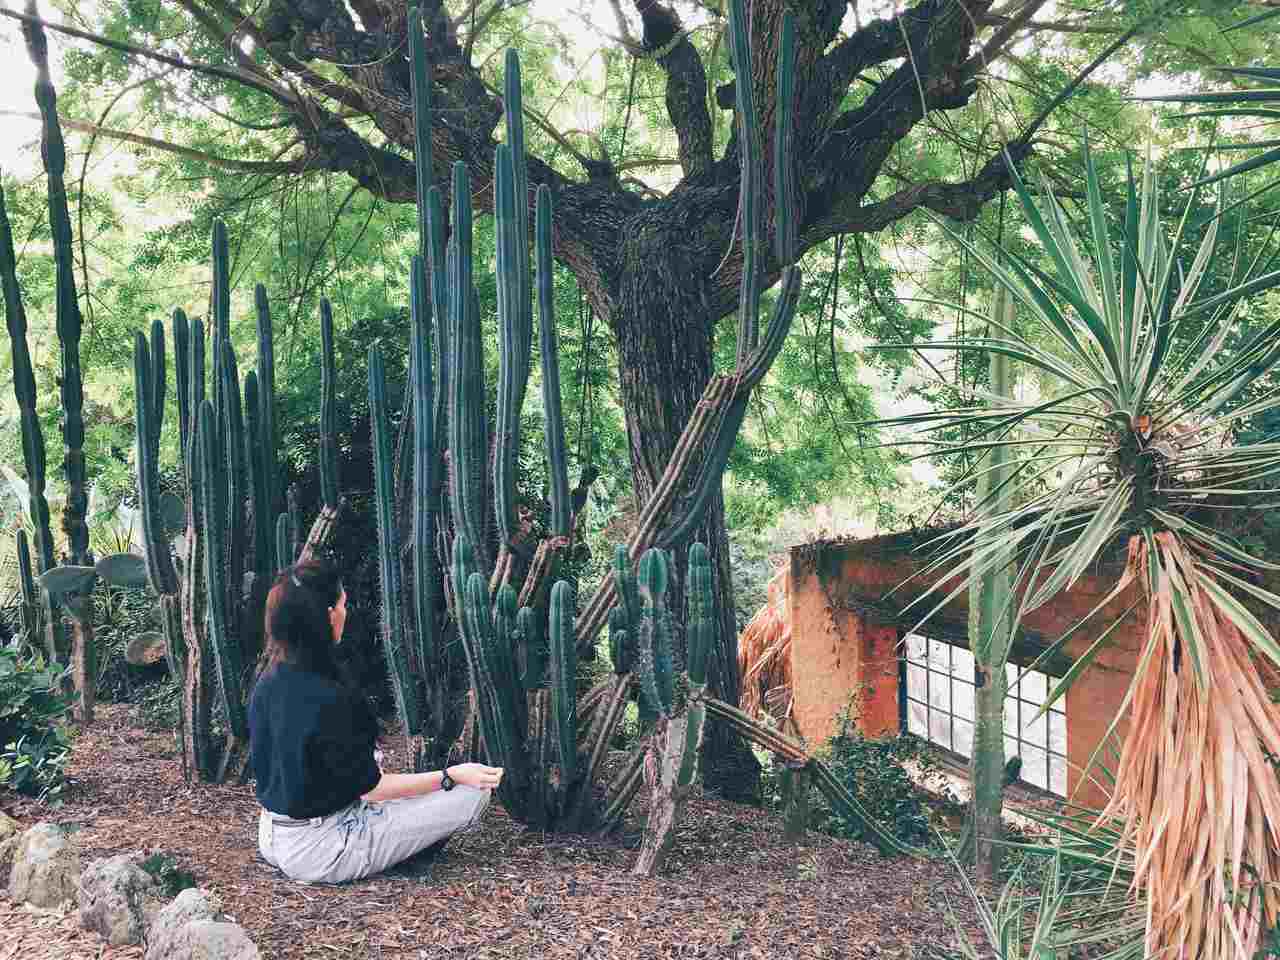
x: 654, y: 270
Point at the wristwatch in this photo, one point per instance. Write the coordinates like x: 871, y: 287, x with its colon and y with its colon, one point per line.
x: 447, y: 782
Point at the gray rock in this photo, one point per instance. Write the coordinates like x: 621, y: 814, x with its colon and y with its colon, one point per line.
x: 10, y: 834
x: 46, y: 868
x: 117, y: 898
x: 187, y: 907
x: 210, y: 940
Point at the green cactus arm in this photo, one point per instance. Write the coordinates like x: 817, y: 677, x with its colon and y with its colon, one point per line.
x: 792, y: 750
x: 259, y: 501
x: 509, y: 689
x: 219, y: 309
x: 702, y: 621
x: 492, y: 694
x: 24, y: 390
x: 328, y: 410
x: 420, y: 94
x: 29, y: 608
x: 784, y: 186
x: 468, y: 451
x: 26, y: 582
x: 557, y: 458
x: 402, y: 682
x: 751, y: 190
x: 175, y: 641
x: 160, y: 570
x: 534, y: 647
x: 235, y: 449
x: 619, y: 642
x: 513, y: 377
x: 220, y: 302
x: 226, y: 651
x: 158, y: 387
x: 438, y: 273
x: 182, y: 384
x: 426, y: 570
x: 564, y: 679
x: 711, y: 472
x: 655, y: 659
x: 196, y: 396
x: 695, y: 720
x: 68, y: 321
x: 625, y: 580
x: 513, y: 109
x: 267, y: 396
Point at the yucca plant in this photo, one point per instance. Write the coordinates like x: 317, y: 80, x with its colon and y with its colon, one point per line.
x: 1069, y: 892
x: 1128, y: 447
x: 1255, y: 106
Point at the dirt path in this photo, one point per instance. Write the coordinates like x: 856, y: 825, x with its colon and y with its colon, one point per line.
x: 732, y: 889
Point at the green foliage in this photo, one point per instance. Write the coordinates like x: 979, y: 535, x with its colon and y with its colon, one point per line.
x: 34, y: 711
x: 168, y: 873
x: 158, y: 706
x: 122, y: 615
x: 896, y: 779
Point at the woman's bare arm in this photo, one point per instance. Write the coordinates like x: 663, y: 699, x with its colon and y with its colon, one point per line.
x: 398, y: 786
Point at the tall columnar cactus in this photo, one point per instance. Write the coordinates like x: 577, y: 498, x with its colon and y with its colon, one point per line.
x: 515, y: 616
x: 68, y: 326
x: 24, y: 390
x: 203, y: 555
x: 29, y: 604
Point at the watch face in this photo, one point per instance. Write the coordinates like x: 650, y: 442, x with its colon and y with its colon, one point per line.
x: 446, y: 782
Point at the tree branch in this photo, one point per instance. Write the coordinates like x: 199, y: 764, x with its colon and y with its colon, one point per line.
x: 1004, y: 33
x: 1053, y: 26
x: 958, y: 201
x: 208, y: 69
x: 686, y: 96
x: 937, y: 36
x: 190, y: 153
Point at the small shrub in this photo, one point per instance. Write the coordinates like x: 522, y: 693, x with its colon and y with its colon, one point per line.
x: 36, y: 766
x: 33, y: 735
x: 121, y: 615
x: 168, y: 874
x: 876, y: 772
x: 157, y: 705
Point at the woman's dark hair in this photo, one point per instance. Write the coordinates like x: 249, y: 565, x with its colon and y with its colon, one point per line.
x: 297, y: 623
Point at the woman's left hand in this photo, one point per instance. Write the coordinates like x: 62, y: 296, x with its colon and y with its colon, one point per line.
x: 476, y: 775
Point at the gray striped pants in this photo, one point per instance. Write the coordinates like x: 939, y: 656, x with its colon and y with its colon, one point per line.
x: 366, y: 838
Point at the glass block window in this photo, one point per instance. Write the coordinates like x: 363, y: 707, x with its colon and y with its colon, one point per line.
x: 940, y: 708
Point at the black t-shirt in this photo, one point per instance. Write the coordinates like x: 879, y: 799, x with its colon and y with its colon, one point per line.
x: 311, y: 743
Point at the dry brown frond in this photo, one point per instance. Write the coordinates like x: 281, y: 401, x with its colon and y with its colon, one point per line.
x: 764, y: 653
x: 1194, y: 786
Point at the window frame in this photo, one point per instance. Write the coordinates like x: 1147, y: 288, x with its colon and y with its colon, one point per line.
x: 1015, y: 696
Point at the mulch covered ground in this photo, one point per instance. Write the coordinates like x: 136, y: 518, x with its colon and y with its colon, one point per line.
x: 731, y: 889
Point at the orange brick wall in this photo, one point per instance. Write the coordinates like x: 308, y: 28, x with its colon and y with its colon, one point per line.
x: 837, y: 652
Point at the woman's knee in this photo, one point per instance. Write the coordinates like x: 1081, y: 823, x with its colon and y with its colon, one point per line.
x: 480, y: 803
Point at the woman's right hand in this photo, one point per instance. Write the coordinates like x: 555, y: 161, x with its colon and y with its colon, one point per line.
x: 476, y: 775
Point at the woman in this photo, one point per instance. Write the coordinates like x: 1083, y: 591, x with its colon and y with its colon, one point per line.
x: 329, y: 813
